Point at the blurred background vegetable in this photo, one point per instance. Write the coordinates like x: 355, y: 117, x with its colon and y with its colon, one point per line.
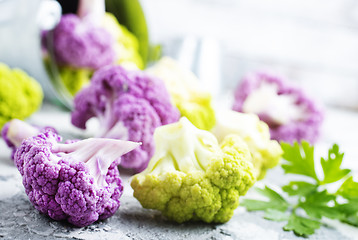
x: 20, y: 94
x: 188, y: 95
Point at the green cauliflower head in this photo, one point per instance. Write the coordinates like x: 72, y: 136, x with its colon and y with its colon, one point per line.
x: 265, y: 153
x: 20, y: 94
x: 187, y: 95
x: 191, y: 177
x: 127, y: 45
x: 75, y: 79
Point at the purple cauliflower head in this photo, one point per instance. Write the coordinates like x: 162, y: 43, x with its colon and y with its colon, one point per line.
x: 77, y: 182
x: 15, y: 131
x: 288, y: 111
x: 80, y: 44
x: 129, y: 106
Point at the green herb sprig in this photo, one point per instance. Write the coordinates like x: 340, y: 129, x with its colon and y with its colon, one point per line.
x: 306, y: 202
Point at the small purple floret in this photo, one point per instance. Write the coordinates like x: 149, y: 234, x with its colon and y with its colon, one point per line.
x: 81, y: 44
x: 307, y: 129
x: 129, y: 106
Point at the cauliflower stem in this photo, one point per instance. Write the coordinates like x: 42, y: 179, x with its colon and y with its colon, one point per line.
x: 16, y: 131
x: 97, y: 153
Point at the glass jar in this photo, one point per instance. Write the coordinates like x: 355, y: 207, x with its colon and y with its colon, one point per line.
x: 27, y: 39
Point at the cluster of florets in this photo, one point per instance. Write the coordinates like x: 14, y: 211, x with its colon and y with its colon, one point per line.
x: 77, y: 181
x: 129, y: 106
x: 288, y: 111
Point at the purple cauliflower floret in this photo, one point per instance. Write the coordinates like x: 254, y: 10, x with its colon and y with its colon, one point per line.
x: 129, y: 106
x: 77, y: 182
x: 80, y: 44
x: 15, y: 131
x: 289, y: 112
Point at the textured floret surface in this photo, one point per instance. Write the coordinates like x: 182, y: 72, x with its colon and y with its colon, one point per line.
x: 191, y: 177
x: 63, y: 188
x: 129, y: 105
x: 81, y: 44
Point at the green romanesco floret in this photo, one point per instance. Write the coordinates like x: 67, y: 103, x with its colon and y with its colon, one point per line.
x: 265, y: 153
x: 20, y: 94
x: 191, y: 177
x: 75, y: 79
x: 192, y: 100
x: 126, y: 46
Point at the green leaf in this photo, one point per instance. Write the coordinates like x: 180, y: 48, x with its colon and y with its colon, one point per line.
x: 275, y: 201
x: 315, y: 202
x: 332, y: 166
x: 300, y: 159
x: 319, y: 198
x: 319, y: 211
x: 351, y: 219
x: 299, y: 188
x: 349, y: 208
x: 350, y: 212
x: 276, y: 215
x: 155, y: 52
x: 301, y: 226
x: 130, y: 14
x: 349, y: 189
x: 317, y: 206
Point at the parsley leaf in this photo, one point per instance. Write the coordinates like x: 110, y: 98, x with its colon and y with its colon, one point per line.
x: 331, y: 166
x: 350, y: 212
x: 351, y: 219
x: 349, y: 189
x: 350, y: 207
x: 299, y: 160
x: 276, y: 215
x: 299, y: 188
x: 312, y: 197
x: 275, y: 201
x: 301, y: 226
x: 316, y: 205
